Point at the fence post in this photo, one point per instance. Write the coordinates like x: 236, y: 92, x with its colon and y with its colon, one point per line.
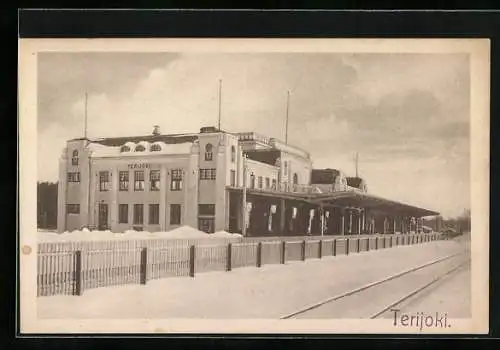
x: 259, y: 254
x: 347, y: 246
x: 229, y: 256
x: 144, y: 266
x: 192, y: 257
x: 320, y: 250
x: 334, y: 250
x: 303, y: 256
x: 359, y: 245
x: 78, y: 273
x: 368, y: 244
x: 376, y: 243
x: 283, y: 251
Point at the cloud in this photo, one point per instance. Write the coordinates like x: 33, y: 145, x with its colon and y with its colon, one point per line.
x: 407, y: 115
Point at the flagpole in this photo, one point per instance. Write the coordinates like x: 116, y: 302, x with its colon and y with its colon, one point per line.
x: 85, y: 130
x: 220, y: 99
x: 286, y: 115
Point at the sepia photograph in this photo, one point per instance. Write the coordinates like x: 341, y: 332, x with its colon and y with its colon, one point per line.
x: 254, y: 186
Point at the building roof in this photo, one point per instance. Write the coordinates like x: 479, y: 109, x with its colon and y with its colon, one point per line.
x: 357, y: 199
x: 324, y: 176
x: 264, y: 156
x: 347, y: 199
x: 167, y: 139
x: 354, y: 181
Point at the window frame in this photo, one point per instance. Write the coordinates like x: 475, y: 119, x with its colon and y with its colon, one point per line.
x: 176, y: 179
x: 155, y: 148
x: 74, y: 157
x: 233, y: 154
x: 208, y: 174
x: 123, y: 185
x: 156, y: 219
x: 73, y: 176
x: 177, y: 211
x: 209, y: 152
x: 156, y: 181
x: 104, y: 184
x: 232, y: 178
x: 120, y: 217
x: 136, y: 217
x: 137, y: 181
x: 73, y: 206
x: 140, y: 148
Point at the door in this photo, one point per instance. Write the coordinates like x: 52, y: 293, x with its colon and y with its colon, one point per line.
x: 103, y: 216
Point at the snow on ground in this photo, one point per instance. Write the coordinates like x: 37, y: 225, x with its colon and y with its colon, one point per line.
x: 451, y: 296
x: 267, y: 292
x: 183, y: 232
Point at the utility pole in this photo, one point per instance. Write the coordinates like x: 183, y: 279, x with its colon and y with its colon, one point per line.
x: 220, y: 99
x: 286, y: 115
x: 356, y: 163
x: 244, y: 198
x: 85, y: 129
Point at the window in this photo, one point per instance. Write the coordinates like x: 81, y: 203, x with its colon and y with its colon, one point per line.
x: 233, y: 154
x: 73, y: 177
x: 267, y: 182
x: 206, y: 209
x: 232, y: 178
x: 139, y: 180
x: 175, y: 214
x: 125, y: 149
x: 207, y: 174
x: 208, y: 152
x: 123, y: 213
x: 295, y: 179
x: 123, y: 180
x: 260, y: 181
x: 73, y: 208
x: 274, y: 184
x: 155, y: 148
x: 104, y: 181
x: 154, y: 178
x: 138, y: 214
x: 176, y: 180
x: 285, y: 167
x: 252, y: 181
x: 140, y: 148
x: 74, y: 158
x: 154, y: 214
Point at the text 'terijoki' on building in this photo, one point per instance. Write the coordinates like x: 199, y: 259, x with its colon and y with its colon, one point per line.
x: 158, y: 182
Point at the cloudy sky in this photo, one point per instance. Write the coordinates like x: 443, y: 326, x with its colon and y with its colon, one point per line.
x: 406, y: 114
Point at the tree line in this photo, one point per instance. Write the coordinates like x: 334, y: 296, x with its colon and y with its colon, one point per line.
x: 47, y: 205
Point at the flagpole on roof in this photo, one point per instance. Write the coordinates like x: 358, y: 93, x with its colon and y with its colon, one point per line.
x: 286, y: 115
x: 85, y: 129
x: 220, y: 99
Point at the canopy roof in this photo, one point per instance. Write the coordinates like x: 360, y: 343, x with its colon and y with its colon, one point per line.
x: 347, y: 199
x: 364, y: 200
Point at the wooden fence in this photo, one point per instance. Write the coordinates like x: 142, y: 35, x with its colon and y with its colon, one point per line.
x: 72, y: 267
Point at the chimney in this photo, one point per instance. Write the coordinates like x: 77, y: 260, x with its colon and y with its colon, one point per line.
x: 156, y: 130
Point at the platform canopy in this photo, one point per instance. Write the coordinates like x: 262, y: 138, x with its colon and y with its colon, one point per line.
x: 354, y: 199
x: 345, y: 199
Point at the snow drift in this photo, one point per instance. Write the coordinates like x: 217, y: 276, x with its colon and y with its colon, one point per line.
x: 183, y: 232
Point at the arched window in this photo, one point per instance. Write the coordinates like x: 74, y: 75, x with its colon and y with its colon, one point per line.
x: 74, y: 158
x: 295, y: 179
x: 155, y: 148
x: 233, y: 154
x: 125, y: 149
x: 140, y: 148
x: 208, y: 152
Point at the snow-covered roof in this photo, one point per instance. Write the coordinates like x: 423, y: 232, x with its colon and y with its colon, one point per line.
x: 99, y: 150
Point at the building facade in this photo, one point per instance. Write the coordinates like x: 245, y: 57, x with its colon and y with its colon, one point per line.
x: 159, y: 182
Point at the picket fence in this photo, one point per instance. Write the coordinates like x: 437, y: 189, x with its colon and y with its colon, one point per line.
x: 72, y: 267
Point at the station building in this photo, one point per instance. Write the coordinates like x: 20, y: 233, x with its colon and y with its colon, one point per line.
x: 159, y: 182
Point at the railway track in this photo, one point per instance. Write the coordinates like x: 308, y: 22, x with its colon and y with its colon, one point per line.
x: 375, y: 299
